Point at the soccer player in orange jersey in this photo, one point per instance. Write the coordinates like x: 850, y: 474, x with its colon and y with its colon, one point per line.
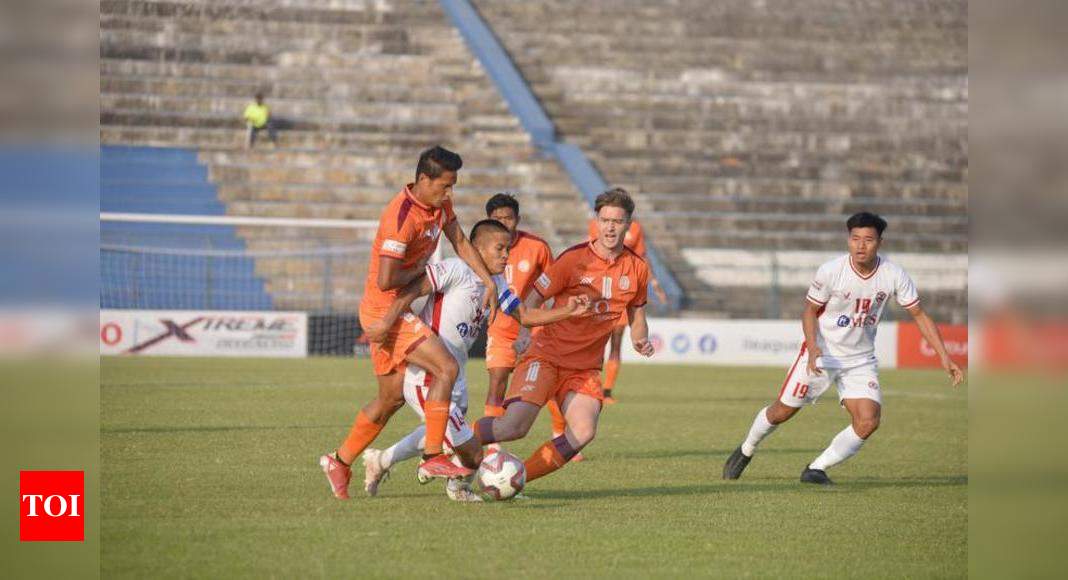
x: 528, y: 257
x: 408, y: 233
x: 635, y: 240
x: 563, y: 362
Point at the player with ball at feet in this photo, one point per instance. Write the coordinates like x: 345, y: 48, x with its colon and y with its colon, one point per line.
x: 456, y: 316
x: 842, y: 311
x: 564, y: 360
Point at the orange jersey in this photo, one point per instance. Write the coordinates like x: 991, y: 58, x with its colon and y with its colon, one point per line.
x: 633, y: 239
x: 613, y: 287
x: 408, y: 231
x: 528, y: 257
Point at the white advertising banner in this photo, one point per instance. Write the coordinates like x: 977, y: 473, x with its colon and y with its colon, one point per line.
x: 738, y: 342
x: 203, y: 333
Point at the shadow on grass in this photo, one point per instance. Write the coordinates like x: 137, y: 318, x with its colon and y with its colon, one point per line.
x: 207, y: 429
x: 845, y: 486
x: 723, y: 453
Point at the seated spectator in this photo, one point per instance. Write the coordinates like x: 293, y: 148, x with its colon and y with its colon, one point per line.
x: 257, y: 118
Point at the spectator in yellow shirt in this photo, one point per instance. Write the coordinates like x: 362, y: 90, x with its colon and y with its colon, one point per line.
x: 258, y: 118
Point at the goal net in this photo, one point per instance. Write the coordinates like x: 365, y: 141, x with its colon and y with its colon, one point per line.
x: 211, y: 263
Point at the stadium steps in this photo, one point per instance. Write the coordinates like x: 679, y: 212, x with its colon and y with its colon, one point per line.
x: 168, y: 181
x: 358, y: 89
x: 741, y: 125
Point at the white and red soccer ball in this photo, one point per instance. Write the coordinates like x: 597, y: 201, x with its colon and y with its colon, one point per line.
x: 501, y: 475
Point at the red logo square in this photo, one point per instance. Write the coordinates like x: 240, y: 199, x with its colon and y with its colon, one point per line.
x: 51, y: 506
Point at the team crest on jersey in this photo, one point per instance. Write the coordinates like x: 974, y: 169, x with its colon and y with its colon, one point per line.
x: 624, y: 283
x: 524, y: 265
x: 586, y: 281
x: 843, y: 321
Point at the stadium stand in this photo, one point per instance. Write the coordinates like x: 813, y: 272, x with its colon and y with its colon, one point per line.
x: 163, y: 266
x: 760, y: 126
x: 359, y: 88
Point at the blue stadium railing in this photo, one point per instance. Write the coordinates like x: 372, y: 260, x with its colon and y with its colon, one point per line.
x: 524, y: 105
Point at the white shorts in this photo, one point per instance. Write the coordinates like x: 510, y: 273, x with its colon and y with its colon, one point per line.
x: 457, y: 431
x: 800, y: 388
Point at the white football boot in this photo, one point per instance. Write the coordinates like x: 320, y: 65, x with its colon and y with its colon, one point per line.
x: 373, y: 472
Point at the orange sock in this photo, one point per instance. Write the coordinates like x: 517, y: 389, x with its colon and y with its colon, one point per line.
x: 494, y: 411
x: 545, y: 460
x: 559, y: 423
x: 437, y: 418
x: 611, y: 370
x: 361, y: 435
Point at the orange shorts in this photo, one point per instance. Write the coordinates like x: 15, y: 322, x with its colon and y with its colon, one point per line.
x: 406, y: 334
x: 537, y: 381
x: 500, y: 353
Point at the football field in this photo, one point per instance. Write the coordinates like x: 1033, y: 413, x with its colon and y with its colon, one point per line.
x: 209, y: 469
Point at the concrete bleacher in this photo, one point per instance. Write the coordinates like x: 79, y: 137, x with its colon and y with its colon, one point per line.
x: 359, y: 88
x: 169, y: 266
x: 760, y: 126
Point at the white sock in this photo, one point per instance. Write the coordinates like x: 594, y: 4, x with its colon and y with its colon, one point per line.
x: 761, y: 428
x: 407, y: 448
x: 844, y: 445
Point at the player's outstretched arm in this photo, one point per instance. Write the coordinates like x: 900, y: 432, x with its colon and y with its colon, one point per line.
x: 639, y: 331
x: 470, y: 255
x: 929, y: 331
x: 402, y: 303
x: 392, y: 276
x: 810, y: 326
x: 529, y: 317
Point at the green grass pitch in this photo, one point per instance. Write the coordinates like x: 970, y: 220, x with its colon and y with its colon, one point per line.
x: 209, y: 469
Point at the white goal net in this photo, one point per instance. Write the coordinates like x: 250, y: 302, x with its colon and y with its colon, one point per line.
x: 174, y: 262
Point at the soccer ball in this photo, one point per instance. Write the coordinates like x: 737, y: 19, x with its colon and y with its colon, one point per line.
x: 501, y: 476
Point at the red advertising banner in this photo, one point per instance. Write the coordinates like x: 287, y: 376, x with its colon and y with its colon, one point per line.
x: 914, y: 352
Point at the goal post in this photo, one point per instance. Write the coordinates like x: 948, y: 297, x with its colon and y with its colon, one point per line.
x: 228, y: 263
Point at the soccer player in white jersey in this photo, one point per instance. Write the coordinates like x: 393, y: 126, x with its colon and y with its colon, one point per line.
x: 456, y: 315
x: 842, y: 311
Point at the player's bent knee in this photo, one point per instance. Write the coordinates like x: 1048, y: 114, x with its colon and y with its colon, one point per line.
x: 583, y: 434
x: 450, y: 370
x: 865, y: 426
x: 779, y: 413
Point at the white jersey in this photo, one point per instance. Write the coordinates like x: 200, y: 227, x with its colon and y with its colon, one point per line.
x: 454, y: 312
x: 852, y: 306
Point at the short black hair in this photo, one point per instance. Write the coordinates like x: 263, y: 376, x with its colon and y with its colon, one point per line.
x: 866, y: 219
x: 617, y: 197
x: 502, y: 200
x: 487, y: 226
x: 437, y: 160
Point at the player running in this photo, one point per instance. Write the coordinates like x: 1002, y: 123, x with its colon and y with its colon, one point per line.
x: 842, y: 311
x: 635, y: 240
x: 456, y: 315
x: 528, y: 257
x: 408, y: 233
x: 563, y: 362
